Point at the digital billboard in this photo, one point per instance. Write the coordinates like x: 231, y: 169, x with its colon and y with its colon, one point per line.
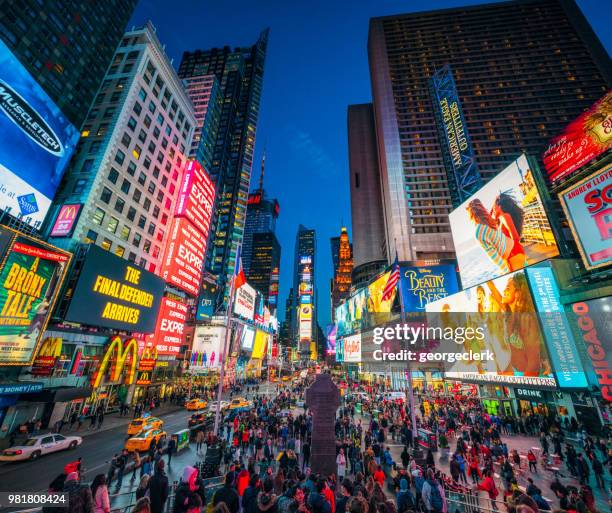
x: 206, y: 301
x: 330, y: 335
x: 504, y: 308
x: 196, y: 197
x: 185, y: 251
x: 260, y: 345
x: 352, y: 348
x: 584, y: 139
x: 502, y: 228
x: 247, y: 338
x: 339, y: 350
x: 30, y: 280
x: 169, y: 333
x: 556, y: 329
x: 207, y: 347
x: 305, y: 318
x: 419, y: 285
x: 588, y: 208
x: 113, y: 293
x: 244, y: 304
x: 37, y: 143
x: 66, y: 219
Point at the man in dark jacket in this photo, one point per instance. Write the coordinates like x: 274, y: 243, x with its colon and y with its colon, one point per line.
x: 227, y: 494
x: 266, y: 500
x: 346, y: 490
x: 249, y: 497
x: 317, y: 501
x: 190, y: 491
x: 80, y: 499
x: 158, y: 488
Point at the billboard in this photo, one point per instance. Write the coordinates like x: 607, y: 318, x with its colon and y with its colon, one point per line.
x: 244, y: 304
x: 462, y: 171
x: 502, y: 228
x: 588, y: 208
x: 30, y: 279
x: 207, y: 301
x: 185, y: 251
x: 207, y: 347
x: 339, y: 350
x: 247, y: 338
x: 260, y: 346
x: 113, y: 293
x: 352, y: 348
x: 420, y: 285
x: 330, y: 335
x: 584, y: 139
x: 556, y: 329
x: 37, y: 143
x: 593, y: 322
x: 504, y: 308
x: 305, y: 317
x: 196, y: 197
x: 169, y: 333
x: 66, y: 219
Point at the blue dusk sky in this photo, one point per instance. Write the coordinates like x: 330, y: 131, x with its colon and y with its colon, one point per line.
x: 316, y: 66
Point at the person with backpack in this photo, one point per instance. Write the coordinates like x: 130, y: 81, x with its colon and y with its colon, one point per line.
x: 433, y: 494
x: 405, y: 501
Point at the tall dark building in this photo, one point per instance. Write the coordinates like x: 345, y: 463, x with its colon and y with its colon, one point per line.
x: 303, y: 313
x: 240, y: 76
x: 266, y: 255
x: 66, y: 46
x: 523, y: 70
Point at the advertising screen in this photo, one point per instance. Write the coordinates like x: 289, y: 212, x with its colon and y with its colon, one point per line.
x: 504, y: 308
x: 30, y: 280
x: 248, y: 337
x: 352, y: 348
x: 420, y: 285
x: 196, y: 197
x: 170, y: 331
x: 584, y: 139
x: 502, y: 228
x: 305, y: 317
x: 588, y: 208
x: 374, y: 292
x: 185, y: 250
x: 556, y: 329
x: 244, y: 304
x: 37, y: 142
x: 330, y: 335
x: 207, y: 347
x: 339, y: 350
x: 66, y: 220
x: 112, y: 293
x: 207, y: 301
x: 260, y: 346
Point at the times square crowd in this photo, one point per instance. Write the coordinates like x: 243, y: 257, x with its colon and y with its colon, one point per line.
x: 265, y: 455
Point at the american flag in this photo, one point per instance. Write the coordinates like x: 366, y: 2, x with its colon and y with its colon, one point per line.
x: 394, y: 278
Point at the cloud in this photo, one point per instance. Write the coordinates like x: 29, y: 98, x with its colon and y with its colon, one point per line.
x: 303, y: 143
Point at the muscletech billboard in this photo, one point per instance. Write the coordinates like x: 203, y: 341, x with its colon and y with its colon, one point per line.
x: 502, y: 228
x: 30, y: 279
x: 588, y: 208
x: 422, y: 284
x: 113, y: 293
x: 584, y: 139
x: 37, y: 142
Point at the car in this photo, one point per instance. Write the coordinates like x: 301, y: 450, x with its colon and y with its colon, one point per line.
x: 239, y: 403
x: 285, y: 378
x: 142, y: 441
x: 144, y: 423
x: 196, y: 404
x: 200, y: 418
x: 37, y: 446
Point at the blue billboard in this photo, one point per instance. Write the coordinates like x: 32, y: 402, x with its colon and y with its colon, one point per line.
x: 422, y: 284
x: 206, y: 301
x: 564, y: 356
x: 37, y: 141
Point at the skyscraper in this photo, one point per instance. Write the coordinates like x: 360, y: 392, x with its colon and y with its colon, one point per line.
x: 523, y: 70
x: 341, y: 283
x: 240, y: 75
x: 126, y: 172
x: 266, y: 255
x: 66, y: 46
x: 303, y: 313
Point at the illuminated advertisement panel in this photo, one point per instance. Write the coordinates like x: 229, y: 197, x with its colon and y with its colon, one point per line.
x: 584, y: 139
x: 339, y: 350
x: 30, y: 280
x: 196, y: 197
x: 420, y: 285
x: 260, y: 346
x: 352, y: 348
x: 503, y: 308
x: 185, y: 250
x: 113, y: 293
x: 588, y: 208
x: 206, y: 301
x: 244, y: 304
x: 350, y: 314
x: 330, y: 336
x: 66, y: 220
x: 248, y: 337
x: 37, y: 143
x: 170, y: 331
x: 207, y: 347
x: 502, y: 228
x: 305, y: 317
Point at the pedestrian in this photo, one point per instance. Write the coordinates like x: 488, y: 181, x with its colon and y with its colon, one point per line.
x: 228, y: 494
x: 137, y: 464
x: 100, y: 419
x: 99, y: 492
x: 199, y: 440
x: 111, y: 469
x: 190, y: 492
x: 305, y: 455
x: 121, y: 464
x: 433, y: 494
x: 488, y: 485
x: 80, y: 499
x: 158, y: 488
x: 81, y: 420
x: 341, y: 463
x: 73, y: 418
x: 143, y: 505
x: 598, y: 470
x: 143, y: 486
x: 170, y: 449
x: 533, y: 462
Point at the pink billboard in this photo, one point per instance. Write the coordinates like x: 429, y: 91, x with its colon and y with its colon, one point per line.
x: 66, y: 220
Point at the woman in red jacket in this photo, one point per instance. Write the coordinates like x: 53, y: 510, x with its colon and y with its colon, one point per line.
x: 488, y: 485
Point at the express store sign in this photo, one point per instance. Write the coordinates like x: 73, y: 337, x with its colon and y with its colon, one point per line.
x: 196, y: 198
x: 170, y: 331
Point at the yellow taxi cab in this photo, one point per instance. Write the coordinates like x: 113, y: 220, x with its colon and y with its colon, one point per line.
x: 196, y: 404
x: 142, y: 440
x: 239, y: 402
x: 144, y: 423
x: 285, y: 378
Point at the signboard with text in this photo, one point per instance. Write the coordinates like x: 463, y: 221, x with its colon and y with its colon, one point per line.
x: 170, y: 331
x: 244, y: 305
x: 207, y: 345
x: 65, y: 221
x: 420, y: 285
x: 196, y: 197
